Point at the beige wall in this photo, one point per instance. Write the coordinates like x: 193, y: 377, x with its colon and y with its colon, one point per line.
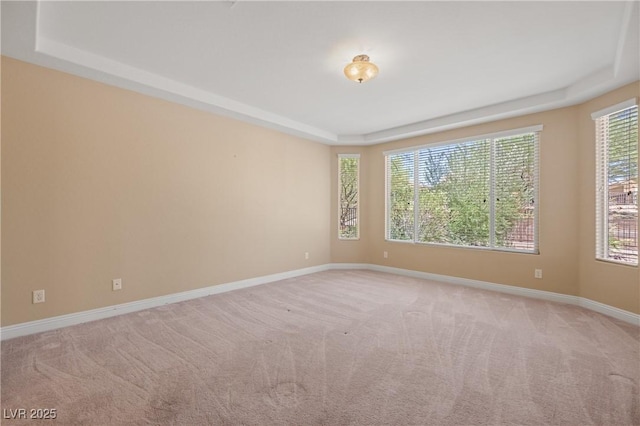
x: 101, y: 183
x: 0, y: 189
x: 558, y: 203
x: 351, y: 251
x: 604, y: 282
x: 566, y: 204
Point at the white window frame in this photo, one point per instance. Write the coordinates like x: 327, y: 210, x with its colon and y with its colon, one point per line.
x: 357, y: 157
x: 497, y: 135
x: 602, y: 194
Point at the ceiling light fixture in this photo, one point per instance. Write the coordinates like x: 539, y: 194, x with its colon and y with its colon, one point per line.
x: 361, y: 69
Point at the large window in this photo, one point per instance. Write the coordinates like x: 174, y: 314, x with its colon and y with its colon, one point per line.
x: 348, y: 189
x: 478, y: 192
x: 617, y: 183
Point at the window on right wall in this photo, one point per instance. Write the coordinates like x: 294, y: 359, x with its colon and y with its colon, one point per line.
x: 617, y: 183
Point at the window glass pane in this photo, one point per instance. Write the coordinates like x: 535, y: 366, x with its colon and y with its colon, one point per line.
x: 433, y: 165
x: 617, y: 182
x: 348, y: 185
x: 515, y: 178
x: 475, y: 193
x: 454, y: 194
x: 400, y: 214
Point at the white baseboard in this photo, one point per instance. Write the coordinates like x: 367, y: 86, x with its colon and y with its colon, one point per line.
x: 484, y: 285
x: 38, y: 326
x: 611, y: 311
x: 352, y: 266
x: 47, y: 324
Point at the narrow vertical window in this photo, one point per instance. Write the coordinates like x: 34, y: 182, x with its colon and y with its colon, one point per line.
x: 617, y: 183
x: 348, y: 187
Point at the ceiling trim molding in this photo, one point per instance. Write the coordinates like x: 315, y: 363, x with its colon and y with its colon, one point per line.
x: 168, y: 89
x: 162, y: 85
x: 508, y: 109
x: 622, y: 36
x: 34, y: 47
x: 103, y: 69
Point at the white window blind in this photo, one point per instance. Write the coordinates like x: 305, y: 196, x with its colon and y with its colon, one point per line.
x: 474, y: 193
x: 400, y: 196
x: 348, y: 188
x: 617, y: 183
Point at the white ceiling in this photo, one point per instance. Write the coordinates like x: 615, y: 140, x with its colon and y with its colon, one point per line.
x: 279, y: 64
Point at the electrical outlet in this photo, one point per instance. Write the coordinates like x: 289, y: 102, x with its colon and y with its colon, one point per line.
x: 306, y: 255
x: 38, y: 296
x: 385, y: 254
x: 116, y: 284
x: 537, y: 273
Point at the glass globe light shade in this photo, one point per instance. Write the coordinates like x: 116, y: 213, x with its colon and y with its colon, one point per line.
x: 360, y: 69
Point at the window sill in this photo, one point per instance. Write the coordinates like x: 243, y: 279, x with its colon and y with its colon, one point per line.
x: 617, y: 262
x: 501, y: 250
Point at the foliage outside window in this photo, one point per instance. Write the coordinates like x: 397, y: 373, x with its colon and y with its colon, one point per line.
x: 474, y: 193
x: 348, y: 169
x: 617, y: 183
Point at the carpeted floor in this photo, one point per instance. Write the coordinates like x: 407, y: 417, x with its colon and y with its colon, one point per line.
x: 335, y: 348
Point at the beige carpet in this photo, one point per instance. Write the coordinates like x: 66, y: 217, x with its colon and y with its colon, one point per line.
x: 335, y: 348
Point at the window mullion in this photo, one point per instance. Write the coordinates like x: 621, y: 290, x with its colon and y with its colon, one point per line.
x: 605, y: 191
x: 387, y: 191
x: 536, y: 194
x: 416, y: 196
x: 492, y: 192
